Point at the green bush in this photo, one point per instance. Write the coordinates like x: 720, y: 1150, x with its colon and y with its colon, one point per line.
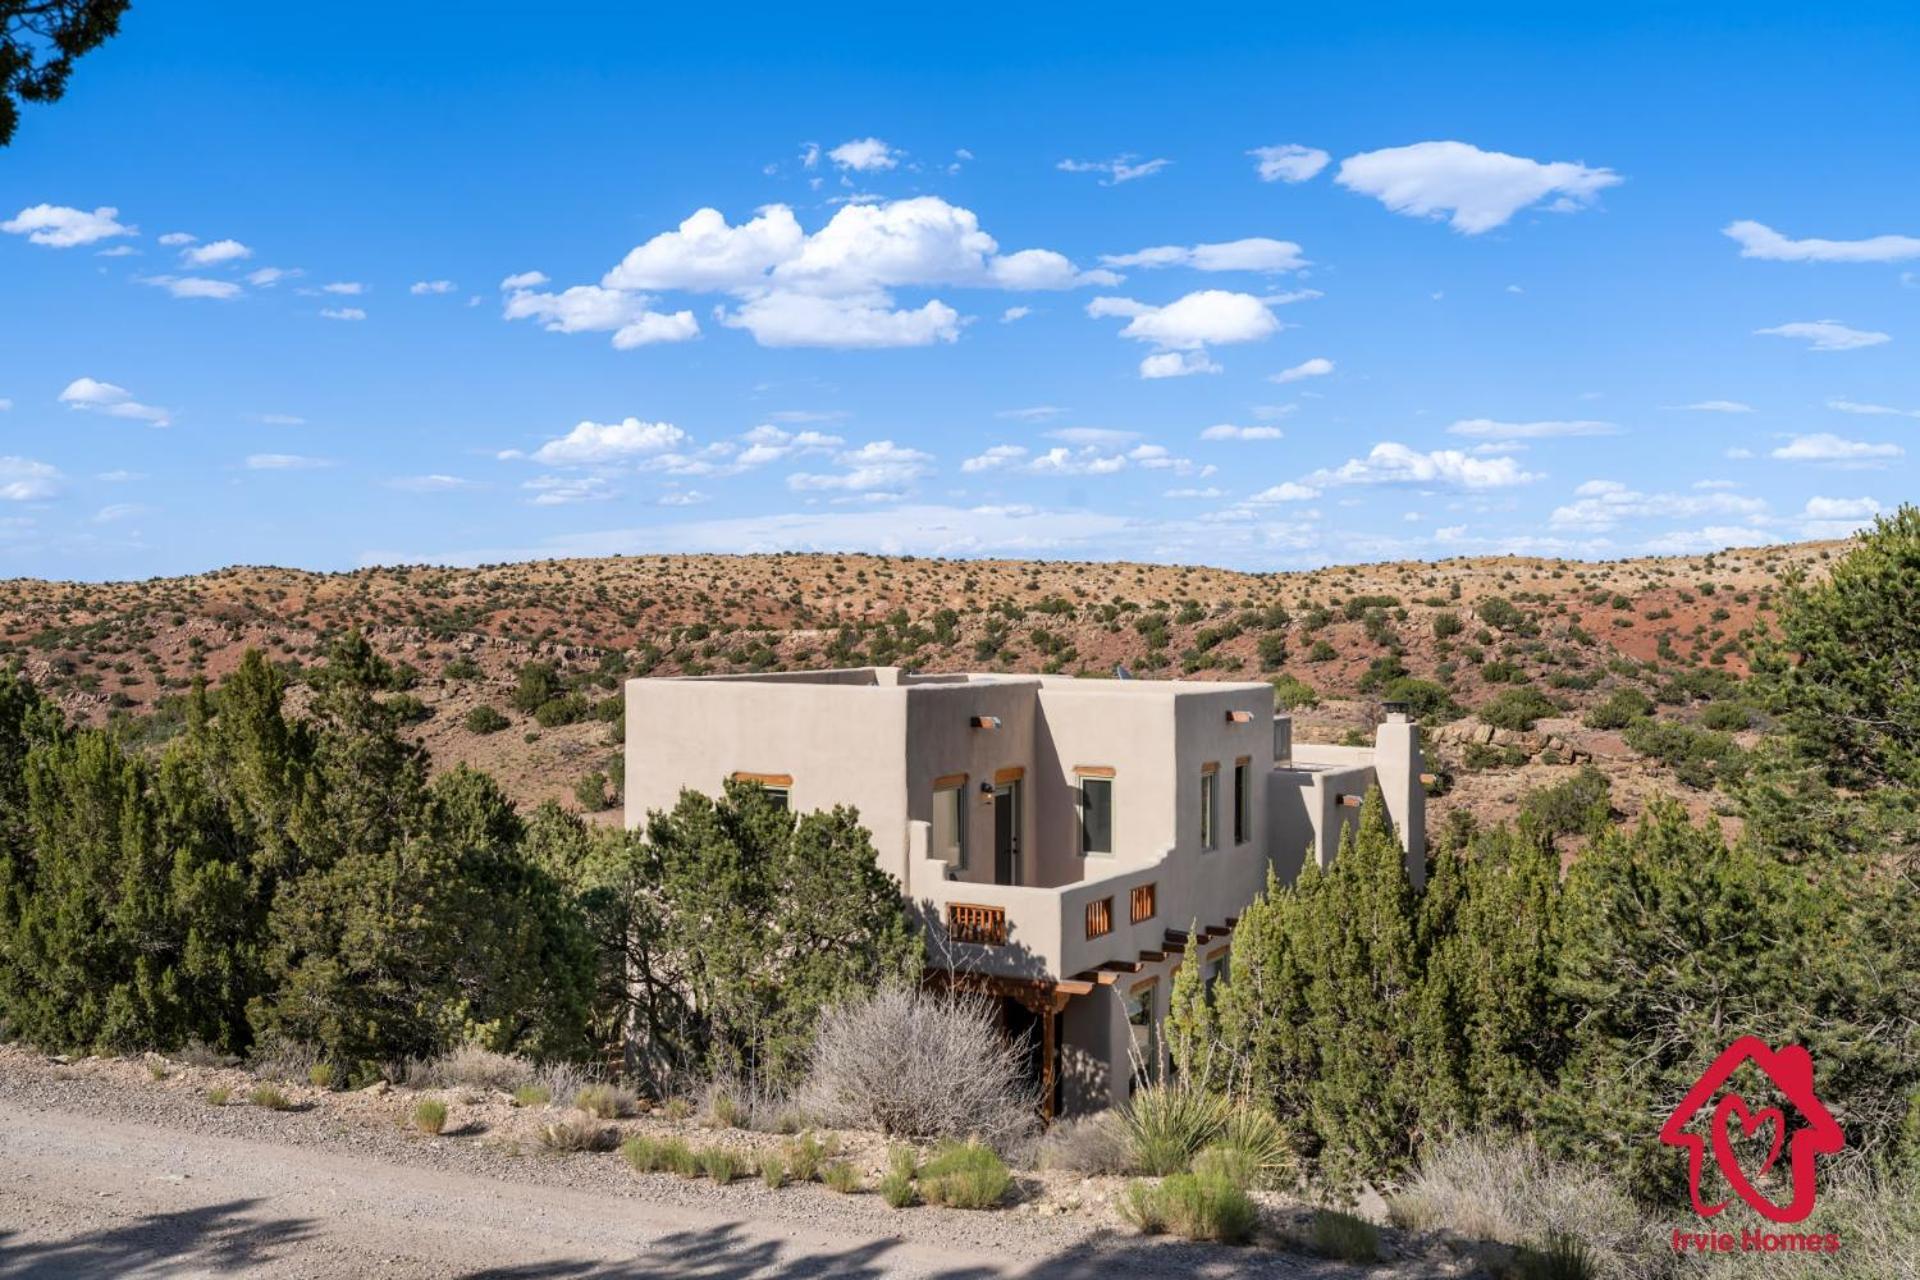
x: 773, y: 1170
x: 532, y: 1095
x: 1516, y: 709
x: 485, y: 719
x: 430, y: 1116
x: 897, y: 1190
x: 674, y: 1156
x: 1167, y: 1125
x: 804, y: 1157
x: 1195, y: 1206
x: 720, y: 1164
x: 320, y: 1075
x: 1334, y: 1234
x: 1574, y: 807
x: 841, y: 1176
x: 1232, y: 1164
x: 606, y: 1101
x: 1621, y: 708
x: 269, y: 1098
x: 965, y: 1175
x: 642, y: 1154
x: 1561, y: 1257
x: 1290, y: 691
x: 218, y: 1095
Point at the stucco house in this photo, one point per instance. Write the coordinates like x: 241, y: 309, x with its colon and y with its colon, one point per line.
x: 1067, y: 842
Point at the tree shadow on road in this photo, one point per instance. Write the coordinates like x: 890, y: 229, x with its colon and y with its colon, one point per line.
x: 213, y: 1238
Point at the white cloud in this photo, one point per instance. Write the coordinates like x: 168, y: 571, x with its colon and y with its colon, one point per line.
x: 1207, y: 493
x: 1719, y: 406
x: 650, y: 327
x: 421, y: 287
x: 114, y: 512
x: 1227, y: 431
x: 1318, y: 367
x: 1123, y: 168
x: 284, y: 462
x: 802, y: 320
x: 864, y: 155
x: 267, y: 277
x: 996, y: 458
x: 684, y: 498
x: 1289, y: 163
x: 114, y: 401
x: 349, y: 288
x: 1032, y: 413
x: 1880, y: 410
x: 592, y: 443
x: 1202, y: 318
x: 432, y: 484
x: 1825, y: 447
x: 1176, y: 364
x: 1393, y: 463
x: 1253, y: 254
x: 1285, y: 492
x: 1757, y: 240
x: 879, y: 465
x: 707, y: 254
x: 194, y: 287
x: 1601, y: 505
x: 279, y: 419
x: 768, y: 443
x: 1089, y: 460
x: 560, y: 491
x: 343, y: 313
x: 59, y: 227
x: 215, y: 253
x: 1015, y: 313
x: 1842, y: 508
x: 24, y: 480
x: 1476, y: 190
x: 1827, y: 335
x: 524, y: 280
x: 1488, y: 429
x: 587, y: 308
x: 174, y: 239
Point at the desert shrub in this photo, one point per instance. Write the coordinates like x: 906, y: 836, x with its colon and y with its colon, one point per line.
x: 1446, y: 624
x: 268, y: 1097
x: 1198, y: 1207
x: 1290, y: 691
x: 430, y: 1116
x: 1727, y: 717
x: 591, y: 792
x: 1335, y: 1234
x: 1233, y: 1164
x: 919, y: 1064
x: 1698, y: 757
x: 282, y: 1059
x: 676, y: 1108
x: 1557, y: 1258
x: 841, y: 1176
x: 485, y: 719
x: 1572, y: 807
x: 1621, y: 708
x: 897, y: 1187
x: 641, y: 1154
x: 1503, y: 1188
x: 720, y: 1164
x: 1139, y: 1205
x: 1095, y: 1144
x: 1425, y: 700
x: 607, y: 1101
x: 218, y: 1095
x: 804, y: 1156
x: 532, y: 1095
x: 773, y: 1170
x: 1252, y: 1133
x: 320, y: 1075
x: 575, y: 1133
x: 1167, y: 1125
x: 676, y: 1157
x: 965, y: 1175
x: 1516, y: 709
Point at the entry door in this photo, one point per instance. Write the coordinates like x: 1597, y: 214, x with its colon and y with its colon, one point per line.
x: 1006, y: 833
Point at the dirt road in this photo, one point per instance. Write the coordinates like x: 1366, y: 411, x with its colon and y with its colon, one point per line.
x: 98, y: 1180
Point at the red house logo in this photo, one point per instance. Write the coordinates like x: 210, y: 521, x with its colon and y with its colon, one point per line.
x: 1791, y: 1070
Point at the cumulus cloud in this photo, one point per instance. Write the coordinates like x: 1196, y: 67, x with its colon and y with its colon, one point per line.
x: 523, y: 280
x: 1393, y: 463
x: 194, y: 287
x: 784, y: 319
x: 1318, y: 367
x: 1015, y: 313
x: 1827, y: 335
x: 864, y: 155
x: 1757, y: 240
x: 215, y: 253
x: 592, y: 443
x: 996, y: 458
x: 1122, y: 168
x: 1842, y: 508
x: 24, y: 480
x: 60, y: 227
x: 1474, y: 190
x: 1256, y: 253
x: 768, y: 443
x: 1176, y: 364
x: 1600, y: 505
x: 1285, y: 492
x: 422, y: 287
x: 1825, y: 447
x: 707, y: 254
x: 1488, y: 429
x: 343, y: 313
x: 1228, y: 431
x: 174, y: 239
x: 1205, y: 317
x: 587, y: 308
x: 1288, y: 163
x: 115, y: 401
x: 879, y: 465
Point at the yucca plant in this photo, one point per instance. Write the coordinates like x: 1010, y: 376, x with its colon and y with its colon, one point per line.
x: 1167, y: 1125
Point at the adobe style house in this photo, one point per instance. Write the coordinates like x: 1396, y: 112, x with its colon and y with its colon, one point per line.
x: 1068, y: 843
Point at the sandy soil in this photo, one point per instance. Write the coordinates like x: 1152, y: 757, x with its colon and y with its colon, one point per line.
x: 104, y: 1172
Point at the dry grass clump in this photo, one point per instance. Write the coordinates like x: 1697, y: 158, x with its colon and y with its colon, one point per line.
x: 1095, y: 1144
x: 804, y: 1156
x: 470, y: 1066
x: 284, y: 1060
x: 218, y: 1095
x: 269, y: 1098
x: 841, y: 1176
x: 1335, y: 1234
x: 532, y: 1095
x: 577, y: 1132
x: 1503, y: 1188
x: 607, y: 1101
x: 915, y: 1063
x: 430, y: 1116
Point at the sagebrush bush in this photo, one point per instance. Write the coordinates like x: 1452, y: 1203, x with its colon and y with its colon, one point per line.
x: 773, y: 1170
x: 320, y: 1075
x: 677, y: 1157
x: 470, y: 1066
x: 1095, y: 1144
x: 914, y: 1063
x: 1232, y: 1164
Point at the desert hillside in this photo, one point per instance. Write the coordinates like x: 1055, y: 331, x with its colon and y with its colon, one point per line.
x: 514, y: 668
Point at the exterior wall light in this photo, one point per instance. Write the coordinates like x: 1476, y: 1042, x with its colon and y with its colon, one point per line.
x: 985, y: 722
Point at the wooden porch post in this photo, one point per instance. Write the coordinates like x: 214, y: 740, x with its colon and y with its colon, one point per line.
x: 1049, y: 1058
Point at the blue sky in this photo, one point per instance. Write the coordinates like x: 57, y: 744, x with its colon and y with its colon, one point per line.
x: 1264, y: 289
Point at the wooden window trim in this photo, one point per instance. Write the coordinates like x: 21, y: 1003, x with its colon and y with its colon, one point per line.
x: 1147, y: 985
x: 1240, y: 760
x: 1015, y: 774
x: 1093, y: 771
x: 1211, y: 766
x: 764, y: 779
x: 1217, y: 953
x: 949, y: 781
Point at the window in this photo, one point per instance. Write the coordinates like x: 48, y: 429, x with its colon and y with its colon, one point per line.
x: 949, y: 843
x: 1242, y: 814
x: 1100, y: 917
x: 1096, y: 816
x: 1209, y: 806
x: 1214, y: 971
x: 1146, y: 1034
x: 778, y: 786
x: 1144, y: 903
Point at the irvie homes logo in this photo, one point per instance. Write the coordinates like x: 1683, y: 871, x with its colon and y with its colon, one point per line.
x: 1791, y: 1071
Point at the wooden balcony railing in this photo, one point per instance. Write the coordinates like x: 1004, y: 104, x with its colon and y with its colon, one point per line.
x: 1144, y: 907
x: 1099, y: 917
x: 971, y: 922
